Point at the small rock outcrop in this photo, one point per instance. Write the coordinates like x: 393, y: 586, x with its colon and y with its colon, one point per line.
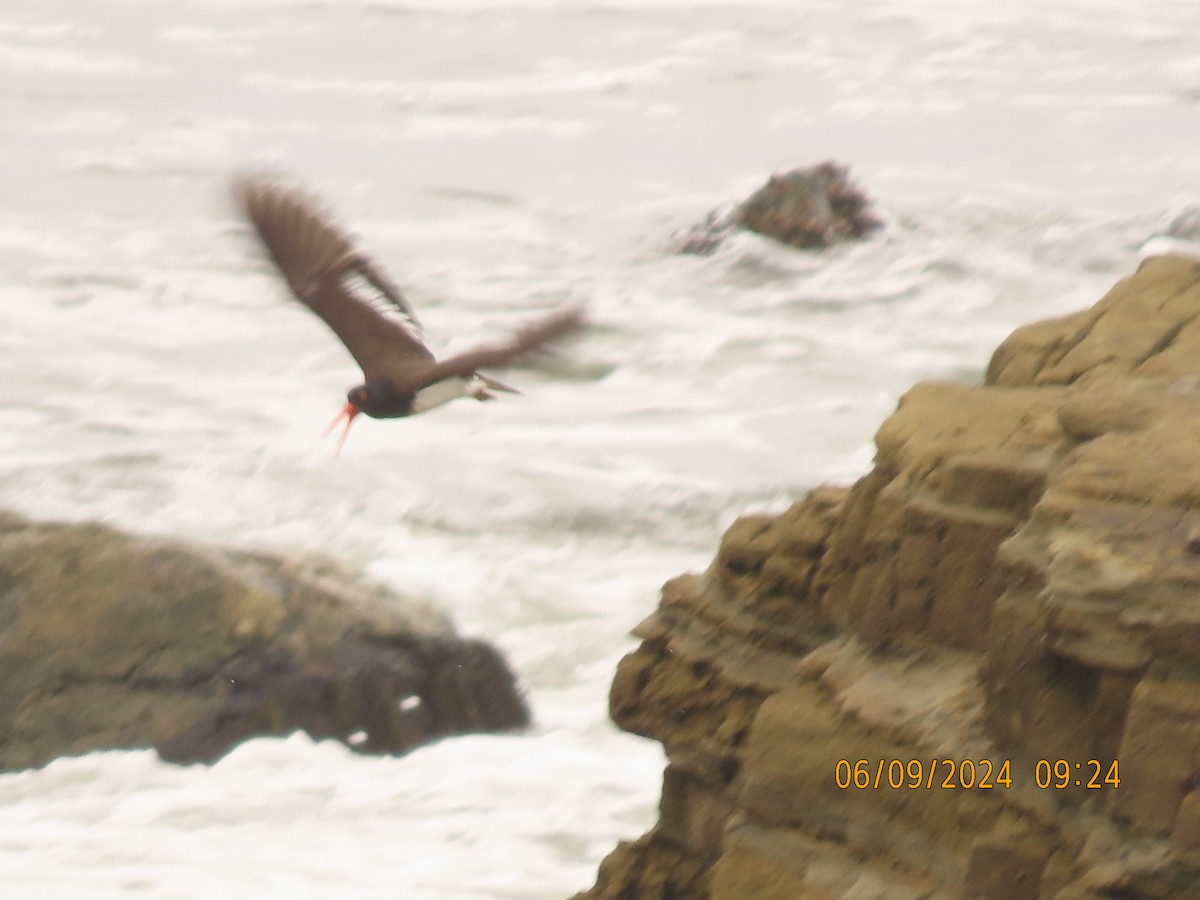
x: 1015, y: 586
x: 109, y: 640
x: 808, y: 208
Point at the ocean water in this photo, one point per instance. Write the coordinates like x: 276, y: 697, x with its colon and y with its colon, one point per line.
x: 499, y: 158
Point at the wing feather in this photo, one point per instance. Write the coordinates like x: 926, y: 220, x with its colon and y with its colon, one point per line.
x: 328, y: 274
x: 533, y: 337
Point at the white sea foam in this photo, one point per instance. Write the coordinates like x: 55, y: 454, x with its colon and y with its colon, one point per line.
x: 295, y: 817
x: 499, y: 158
x: 20, y: 60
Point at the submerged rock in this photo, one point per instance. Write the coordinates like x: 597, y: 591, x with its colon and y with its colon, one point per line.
x: 109, y: 640
x: 1011, y: 598
x: 808, y: 208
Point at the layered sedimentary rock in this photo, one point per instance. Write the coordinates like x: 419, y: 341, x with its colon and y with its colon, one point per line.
x: 1015, y: 584
x: 110, y: 640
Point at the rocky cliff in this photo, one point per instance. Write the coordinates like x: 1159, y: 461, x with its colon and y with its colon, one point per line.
x: 113, y: 640
x: 1016, y: 585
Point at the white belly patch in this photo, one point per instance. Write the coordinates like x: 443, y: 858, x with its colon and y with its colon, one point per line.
x: 441, y: 393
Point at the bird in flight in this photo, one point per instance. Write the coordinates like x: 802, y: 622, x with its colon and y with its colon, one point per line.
x: 369, y: 314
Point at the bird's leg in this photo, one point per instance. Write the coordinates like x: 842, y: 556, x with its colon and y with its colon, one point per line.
x: 495, y: 384
x: 481, y: 386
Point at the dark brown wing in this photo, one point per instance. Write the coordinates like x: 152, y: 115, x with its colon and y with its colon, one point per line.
x: 334, y: 280
x: 533, y: 336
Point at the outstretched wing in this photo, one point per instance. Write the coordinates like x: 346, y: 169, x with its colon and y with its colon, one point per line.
x: 532, y: 337
x: 332, y: 278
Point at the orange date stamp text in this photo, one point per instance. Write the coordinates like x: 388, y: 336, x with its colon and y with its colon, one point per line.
x: 967, y: 774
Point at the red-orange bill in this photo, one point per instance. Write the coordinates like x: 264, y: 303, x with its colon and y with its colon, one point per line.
x: 347, y: 412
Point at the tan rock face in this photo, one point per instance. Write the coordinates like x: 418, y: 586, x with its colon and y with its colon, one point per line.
x: 109, y: 640
x: 1012, y: 596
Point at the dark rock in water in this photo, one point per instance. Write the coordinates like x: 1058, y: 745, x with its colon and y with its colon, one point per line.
x: 1186, y: 224
x: 109, y: 640
x: 809, y: 208
x: 806, y: 208
x: 704, y: 238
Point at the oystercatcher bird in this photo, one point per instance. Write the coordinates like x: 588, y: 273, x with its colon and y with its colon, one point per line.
x: 329, y: 275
